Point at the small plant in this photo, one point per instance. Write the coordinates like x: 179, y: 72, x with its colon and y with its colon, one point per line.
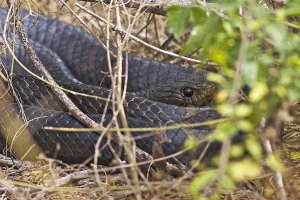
x: 256, y: 47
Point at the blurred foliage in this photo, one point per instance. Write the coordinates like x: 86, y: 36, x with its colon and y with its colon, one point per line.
x: 256, y: 49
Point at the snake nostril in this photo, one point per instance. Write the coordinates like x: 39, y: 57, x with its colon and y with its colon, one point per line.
x: 188, y: 92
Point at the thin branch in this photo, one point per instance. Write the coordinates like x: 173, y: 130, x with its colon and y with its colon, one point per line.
x: 122, y: 32
x: 10, y: 162
x: 59, y: 93
x: 140, y: 154
x: 158, y: 7
x: 277, y: 174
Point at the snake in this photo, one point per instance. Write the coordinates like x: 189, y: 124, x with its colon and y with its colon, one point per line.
x: 158, y: 94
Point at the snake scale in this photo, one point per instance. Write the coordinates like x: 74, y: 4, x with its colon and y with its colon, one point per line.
x: 79, y: 63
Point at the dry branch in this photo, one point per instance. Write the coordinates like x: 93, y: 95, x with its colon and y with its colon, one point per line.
x: 152, y: 6
x: 39, y: 65
x: 120, y: 31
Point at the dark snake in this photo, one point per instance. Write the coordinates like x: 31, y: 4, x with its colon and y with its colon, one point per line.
x: 79, y: 64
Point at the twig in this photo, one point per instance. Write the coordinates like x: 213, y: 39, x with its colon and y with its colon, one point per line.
x: 10, y: 162
x: 222, y: 165
x: 122, y: 32
x: 129, y: 144
x: 145, y: 129
x: 38, y: 64
x: 277, y: 174
x: 275, y: 121
x: 153, y: 6
x: 140, y: 154
x: 67, y: 179
x: 78, y: 114
x: 16, y: 192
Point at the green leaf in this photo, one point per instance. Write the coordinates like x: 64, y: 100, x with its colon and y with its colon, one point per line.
x: 254, y: 147
x: 243, y: 110
x: 216, y: 78
x: 178, y: 19
x: 200, y: 182
x: 227, y: 183
x: 278, y: 34
x: 244, y: 125
x: 237, y: 150
x: 274, y: 162
x: 194, y: 42
x: 223, y: 131
x: 190, y: 143
x: 243, y: 169
x: 258, y: 92
x: 249, y: 72
x: 218, y: 55
x: 197, y: 15
x: 201, y: 36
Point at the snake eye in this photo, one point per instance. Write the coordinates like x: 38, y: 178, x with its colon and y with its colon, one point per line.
x: 188, y: 92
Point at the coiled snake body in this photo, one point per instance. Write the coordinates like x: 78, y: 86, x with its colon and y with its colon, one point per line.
x: 71, y: 54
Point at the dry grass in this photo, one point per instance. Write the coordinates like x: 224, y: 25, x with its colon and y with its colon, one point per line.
x: 51, y: 181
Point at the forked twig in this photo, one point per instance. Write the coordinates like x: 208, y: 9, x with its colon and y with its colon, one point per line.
x: 39, y: 65
x: 122, y: 32
x: 153, y: 6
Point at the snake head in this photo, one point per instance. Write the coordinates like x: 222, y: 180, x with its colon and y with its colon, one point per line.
x: 184, y: 93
